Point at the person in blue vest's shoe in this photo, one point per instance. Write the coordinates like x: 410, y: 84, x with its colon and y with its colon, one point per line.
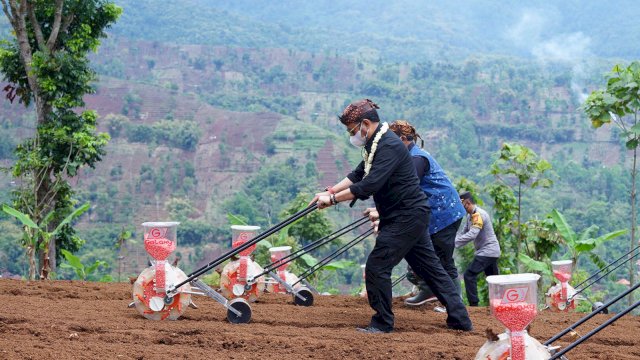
x: 446, y: 209
x: 388, y: 174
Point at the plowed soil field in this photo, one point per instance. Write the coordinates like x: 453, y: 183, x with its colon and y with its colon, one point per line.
x: 84, y: 320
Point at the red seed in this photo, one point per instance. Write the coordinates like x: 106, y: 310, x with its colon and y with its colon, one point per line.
x: 159, y: 249
x: 562, y: 276
x: 515, y: 316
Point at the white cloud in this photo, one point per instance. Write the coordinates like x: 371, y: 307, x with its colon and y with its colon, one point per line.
x: 528, y: 29
x: 565, y: 47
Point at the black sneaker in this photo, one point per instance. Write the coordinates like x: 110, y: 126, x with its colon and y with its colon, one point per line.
x: 372, y: 330
x: 421, y: 298
x: 440, y: 309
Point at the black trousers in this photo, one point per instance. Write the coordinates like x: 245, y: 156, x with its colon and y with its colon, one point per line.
x: 408, y: 238
x: 444, y: 243
x: 488, y: 265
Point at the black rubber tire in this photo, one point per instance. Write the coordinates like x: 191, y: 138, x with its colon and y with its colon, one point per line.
x: 307, y: 294
x: 597, y: 305
x: 241, y: 305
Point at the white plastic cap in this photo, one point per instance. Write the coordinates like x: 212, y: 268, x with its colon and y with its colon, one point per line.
x: 245, y: 227
x: 562, y: 262
x: 280, y: 248
x: 512, y: 279
x: 163, y: 224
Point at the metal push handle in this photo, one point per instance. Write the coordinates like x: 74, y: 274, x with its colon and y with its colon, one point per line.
x: 595, y: 331
x: 592, y: 314
x: 314, y: 245
x: 332, y: 256
x: 293, y: 218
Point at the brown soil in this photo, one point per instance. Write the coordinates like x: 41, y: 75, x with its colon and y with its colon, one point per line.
x: 83, y: 320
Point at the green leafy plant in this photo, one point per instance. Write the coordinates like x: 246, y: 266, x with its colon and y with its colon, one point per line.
x: 576, y: 245
x: 37, y: 237
x: 123, y: 237
x: 321, y: 277
x: 520, y: 168
x: 584, y: 243
x: 45, y: 61
x: 82, y: 271
x: 619, y: 103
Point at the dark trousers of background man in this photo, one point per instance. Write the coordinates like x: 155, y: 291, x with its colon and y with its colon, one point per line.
x: 479, y: 264
x: 408, y: 238
x: 444, y: 243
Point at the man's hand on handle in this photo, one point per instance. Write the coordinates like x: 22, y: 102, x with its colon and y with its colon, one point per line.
x: 324, y: 201
x: 374, y: 217
x: 372, y: 213
x: 317, y: 196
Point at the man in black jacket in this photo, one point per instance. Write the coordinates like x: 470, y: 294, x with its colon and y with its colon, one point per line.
x: 387, y: 172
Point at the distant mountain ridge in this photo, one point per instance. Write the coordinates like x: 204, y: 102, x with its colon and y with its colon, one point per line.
x: 404, y: 30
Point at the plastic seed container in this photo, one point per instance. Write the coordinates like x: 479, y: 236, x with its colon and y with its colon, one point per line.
x: 160, y: 240
x: 513, y: 301
x: 240, y: 234
x: 278, y: 253
x: 562, y: 270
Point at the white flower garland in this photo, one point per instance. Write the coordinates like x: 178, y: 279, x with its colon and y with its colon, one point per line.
x: 368, y: 158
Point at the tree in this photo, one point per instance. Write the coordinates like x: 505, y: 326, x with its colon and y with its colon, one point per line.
x: 47, y: 64
x: 619, y: 103
x: 121, y: 243
x: 519, y: 168
x: 311, y: 227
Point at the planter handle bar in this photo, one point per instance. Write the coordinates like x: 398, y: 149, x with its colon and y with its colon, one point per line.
x: 293, y: 218
x: 399, y: 280
x: 592, y: 314
x: 601, y: 276
x: 609, y: 264
x: 594, y: 331
x: 312, y: 246
x: 332, y: 256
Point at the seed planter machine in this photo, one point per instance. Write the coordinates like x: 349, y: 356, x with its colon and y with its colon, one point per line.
x: 283, y: 281
x: 563, y: 302
x: 562, y: 296
x: 512, y: 301
x: 163, y: 291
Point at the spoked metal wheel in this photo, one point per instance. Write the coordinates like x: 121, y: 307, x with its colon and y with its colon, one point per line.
x: 243, y: 307
x: 306, y: 294
x: 597, y: 305
x: 155, y: 305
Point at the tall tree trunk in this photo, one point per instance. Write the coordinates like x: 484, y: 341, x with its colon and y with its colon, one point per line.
x: 632, y: 264
x: 31, y: 253
x: 519, y: 242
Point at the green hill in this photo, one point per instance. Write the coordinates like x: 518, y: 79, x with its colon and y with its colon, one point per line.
x: 204, y: 103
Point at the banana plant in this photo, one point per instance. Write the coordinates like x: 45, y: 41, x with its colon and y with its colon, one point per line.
x: 36, y: 236
x: 81, y: 270
x: 584, y: 243
x: 577, y: 244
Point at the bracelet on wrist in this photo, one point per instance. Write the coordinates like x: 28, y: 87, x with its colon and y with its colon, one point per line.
x: 333, y: 199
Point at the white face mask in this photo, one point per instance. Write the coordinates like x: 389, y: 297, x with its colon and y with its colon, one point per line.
x: 358, y: 140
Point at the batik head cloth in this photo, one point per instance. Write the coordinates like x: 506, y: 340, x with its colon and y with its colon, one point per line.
x: 358, y: 111
x: 402, y: 128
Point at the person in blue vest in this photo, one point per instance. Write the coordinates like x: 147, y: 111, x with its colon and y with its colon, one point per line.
x: 387, y: 174
x: 446, y: 210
